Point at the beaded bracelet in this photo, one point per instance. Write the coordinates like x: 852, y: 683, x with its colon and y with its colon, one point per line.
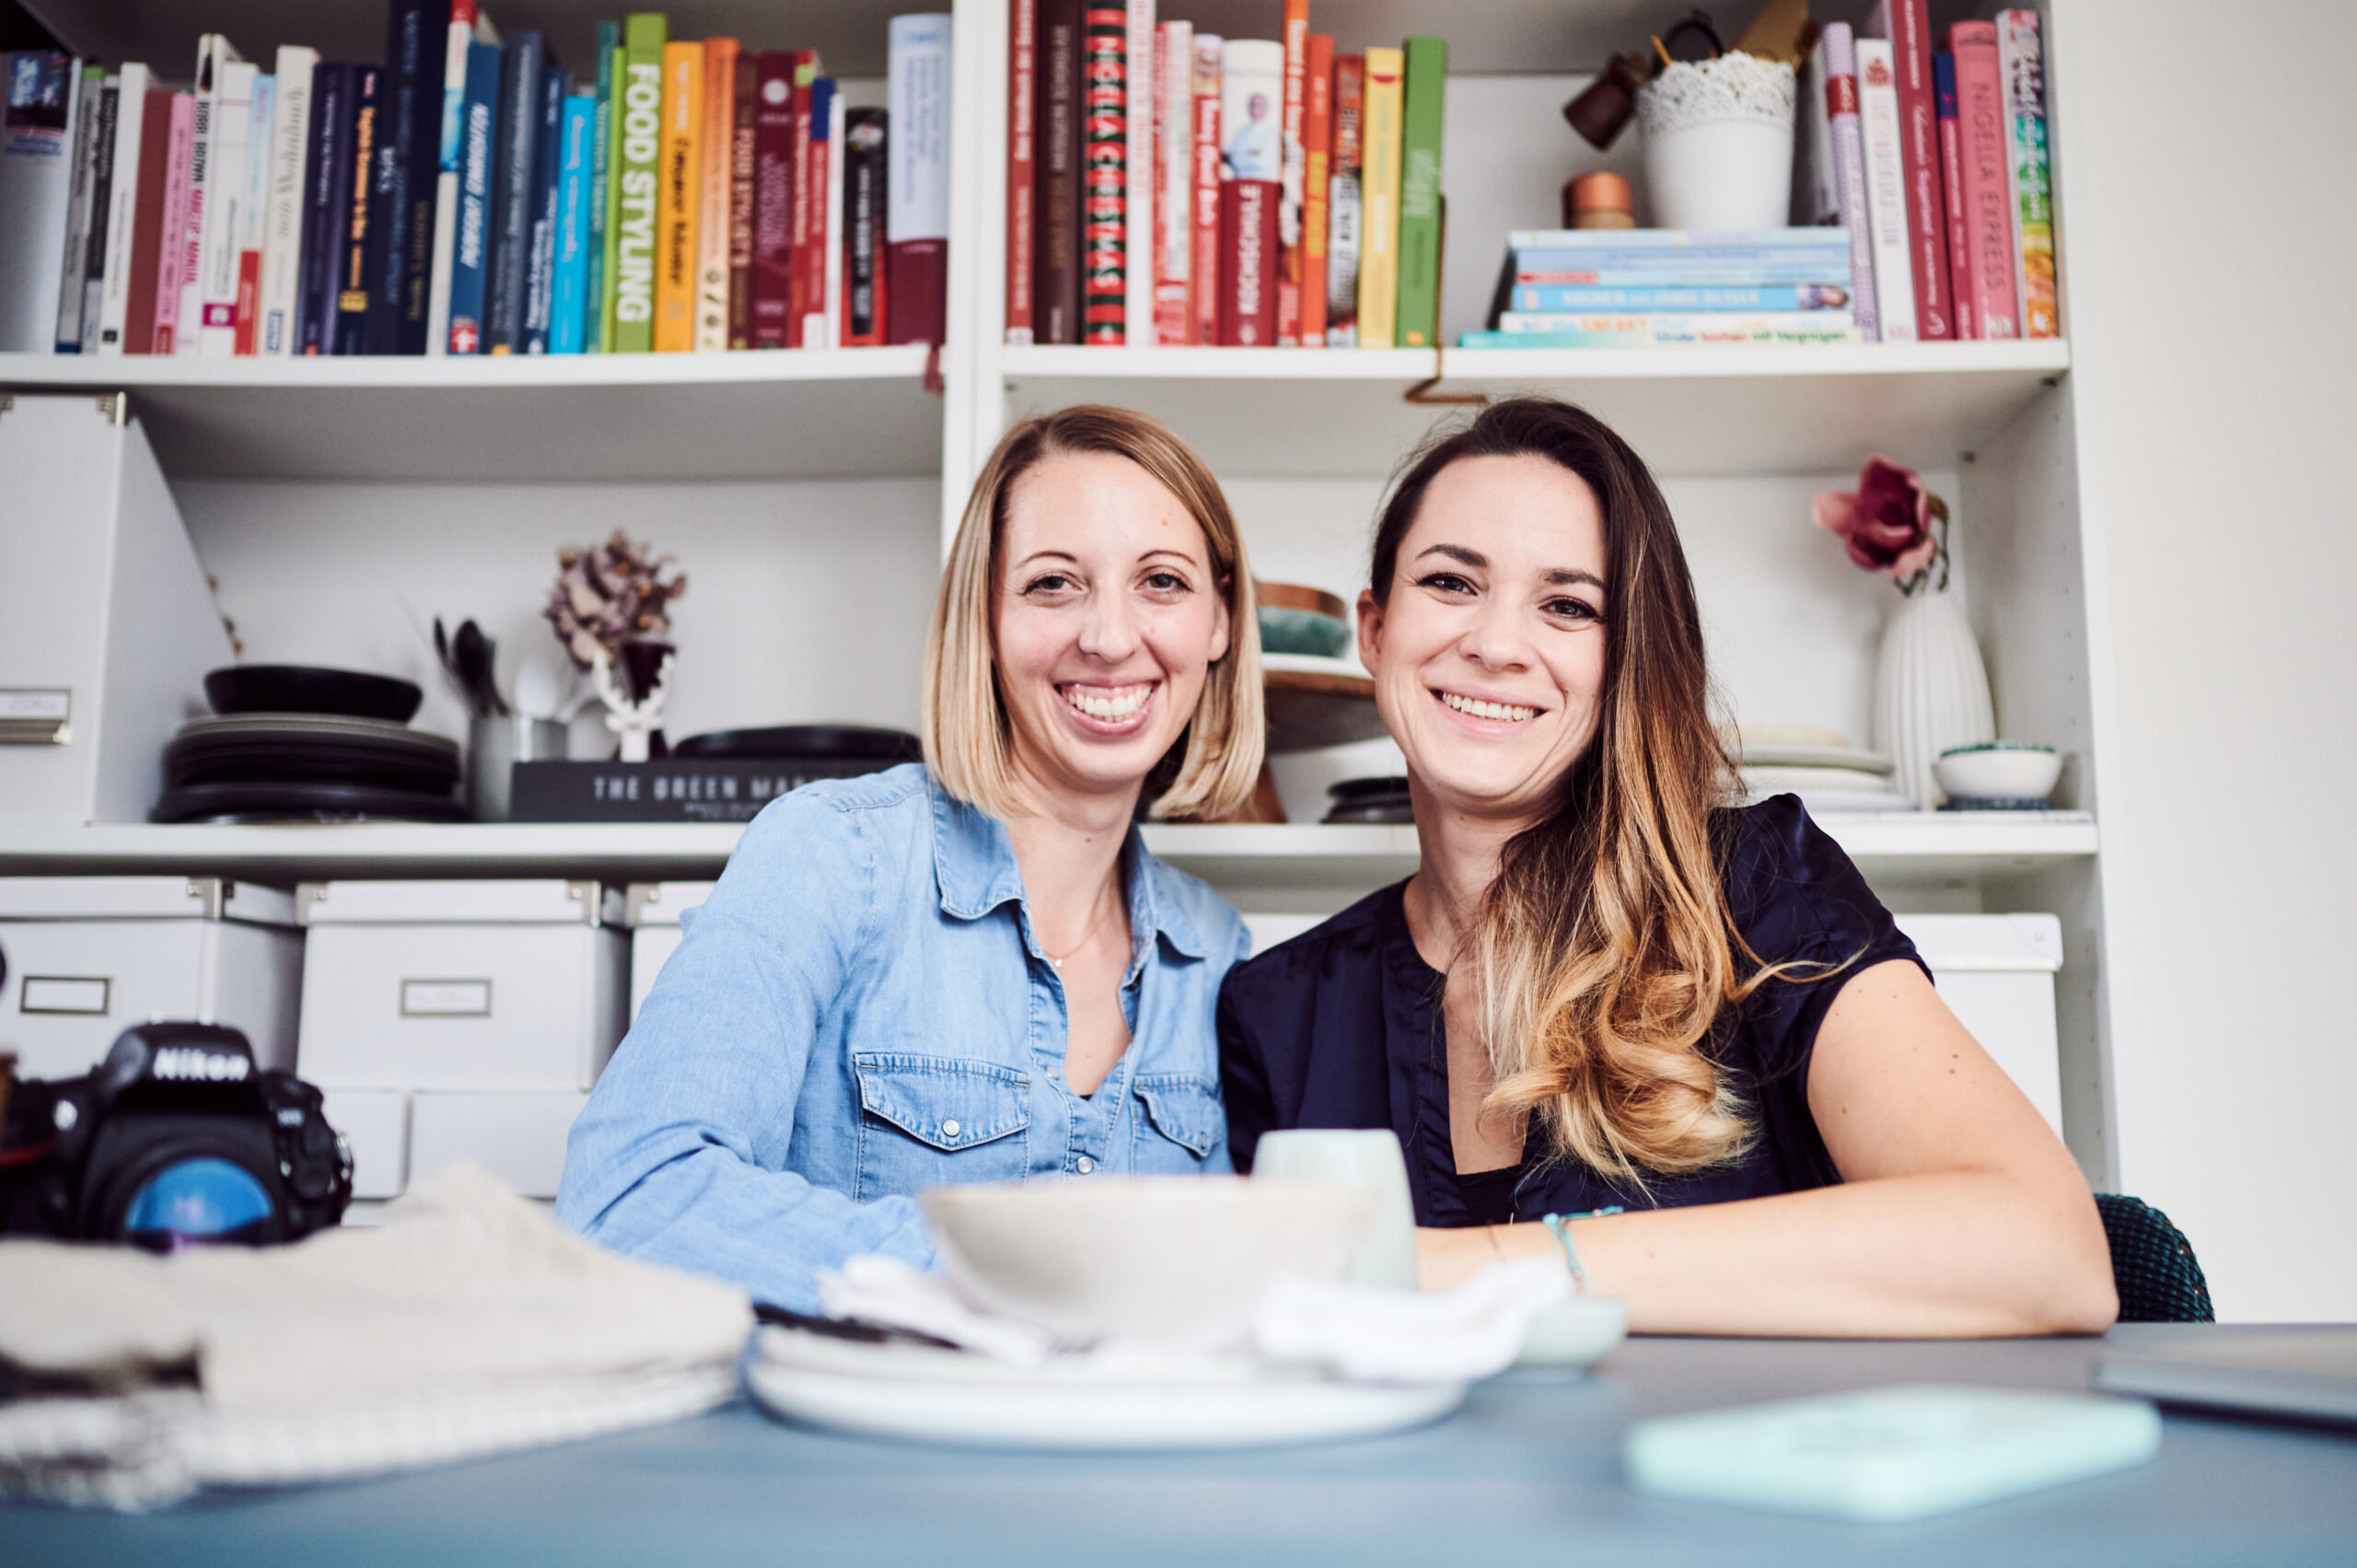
x: 1560, y: 1227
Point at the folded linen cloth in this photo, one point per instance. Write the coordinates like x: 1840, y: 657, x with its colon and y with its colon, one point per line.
x: 1357, y: 1332
x: 466, y: 1323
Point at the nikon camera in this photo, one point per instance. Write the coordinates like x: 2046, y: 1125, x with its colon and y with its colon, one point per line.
x: 174, y: 1139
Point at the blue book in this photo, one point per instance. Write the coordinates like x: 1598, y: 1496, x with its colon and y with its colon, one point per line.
x: 409, y: 154
x: 1819, y: 295
x: 1692, y: 242
x: 327, y: 160
x: 549, y: 160
x: 517, y: 160
x: 567, y: 308
x: 477, y: 149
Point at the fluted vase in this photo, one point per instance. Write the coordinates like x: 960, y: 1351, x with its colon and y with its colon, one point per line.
x: 1930, y: 690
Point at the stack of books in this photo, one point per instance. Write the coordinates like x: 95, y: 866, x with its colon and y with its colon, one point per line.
x: 1658, y: 288
x: 1166, y: 186
x: 469, y: 195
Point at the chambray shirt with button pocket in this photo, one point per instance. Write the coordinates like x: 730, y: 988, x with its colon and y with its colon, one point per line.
x: 862, y: 1010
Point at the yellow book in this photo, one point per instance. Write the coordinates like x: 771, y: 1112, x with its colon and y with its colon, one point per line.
x: 678, y: 198
x: 1379, y: 193
x: 712, y: 216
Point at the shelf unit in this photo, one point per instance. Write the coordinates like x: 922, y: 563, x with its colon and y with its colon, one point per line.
x: 1304, y: 438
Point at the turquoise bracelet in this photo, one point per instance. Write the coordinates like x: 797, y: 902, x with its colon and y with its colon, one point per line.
x: 1560, y: 1227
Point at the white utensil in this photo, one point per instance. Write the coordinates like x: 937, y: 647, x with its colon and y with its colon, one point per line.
x: 539, y: 689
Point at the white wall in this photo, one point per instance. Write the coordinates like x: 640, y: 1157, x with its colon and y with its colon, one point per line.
x: 2207, y: 261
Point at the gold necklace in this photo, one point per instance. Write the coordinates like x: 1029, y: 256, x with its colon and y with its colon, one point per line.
x: 1085, y: 937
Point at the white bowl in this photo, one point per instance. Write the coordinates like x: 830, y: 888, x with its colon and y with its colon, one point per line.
x: 1181, y: 1258
x: 2002, y: 770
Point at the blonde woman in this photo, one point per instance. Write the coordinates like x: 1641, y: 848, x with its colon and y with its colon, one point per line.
x: 1606, y: 989
x: 969, y: 970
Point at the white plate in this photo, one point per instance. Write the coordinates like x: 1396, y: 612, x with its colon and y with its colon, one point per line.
x: 1840, y: 799
x: 1817, y: 756
x: 1805, y: 781
x: 940, y: 1396
x: 1575, y: 1332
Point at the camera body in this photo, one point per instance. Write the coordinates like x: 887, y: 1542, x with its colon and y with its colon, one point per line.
x: 176, y: 1138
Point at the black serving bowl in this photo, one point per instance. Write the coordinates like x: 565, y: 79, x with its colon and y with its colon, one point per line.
x: 308, y: 688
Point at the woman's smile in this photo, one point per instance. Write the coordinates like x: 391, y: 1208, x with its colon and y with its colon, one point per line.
x: 1485, y: 715
x: 1102, y: 708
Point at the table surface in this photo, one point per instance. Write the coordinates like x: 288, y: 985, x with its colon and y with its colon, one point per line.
x: 1528, y: 1472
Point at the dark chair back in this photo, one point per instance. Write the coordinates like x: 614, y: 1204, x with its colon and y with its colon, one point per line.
x: 2152, y: 1264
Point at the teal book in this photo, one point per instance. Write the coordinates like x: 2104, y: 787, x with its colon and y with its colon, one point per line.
x: 1423, y: 99
x: 597, y: 328
x: 569, y: 316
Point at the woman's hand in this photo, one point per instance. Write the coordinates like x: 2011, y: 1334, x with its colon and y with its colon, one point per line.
x: 1446, y: 1259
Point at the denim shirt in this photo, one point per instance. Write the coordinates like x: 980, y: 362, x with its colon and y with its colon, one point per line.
x: 862, y: 1010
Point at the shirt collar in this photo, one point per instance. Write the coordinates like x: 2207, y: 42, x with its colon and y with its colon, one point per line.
x: 974, y: 861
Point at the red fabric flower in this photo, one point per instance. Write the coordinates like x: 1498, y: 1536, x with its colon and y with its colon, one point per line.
x: 1885, y: 522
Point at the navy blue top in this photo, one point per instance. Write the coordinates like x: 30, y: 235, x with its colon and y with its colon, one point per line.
x: 1342, y: 1027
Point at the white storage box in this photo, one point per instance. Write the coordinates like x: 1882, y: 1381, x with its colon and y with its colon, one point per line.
x: 653, y: 910
x: 89, y: 957
x: 111, y: 624
x: 505, y: 985
x: 398, y: 1137
x: 1996, y: 973
x: 375, y: 1124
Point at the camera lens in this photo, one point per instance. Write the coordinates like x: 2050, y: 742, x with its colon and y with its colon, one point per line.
x: 196, y: 1201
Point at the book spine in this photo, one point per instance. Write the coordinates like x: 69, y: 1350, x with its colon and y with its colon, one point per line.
x: 1345, y: 217
x: 604, y: 166
x: 1981, y: 132
x: 81, y: 172
x: 1773, y: 296
x: 255, y: 213
x: 2021, y: 59
x: 187, y: 335
x: 1204, y: 85
x: 1886, y: 176
x: 387, y: 174
x: 1811, y: 241
x: 826, y: 169
x: 1426, y: 97
x: 1139, y: 207
x: 679, y: 195
x: 419, y: 104
x: 453, y: 40
x: 1316, y: 188
x: 773, y: 199
x: 172, y: 263
x: 327, y: 170
x: 548, y: 179
x: 569, y: 316
x: 1951, y: 181
x: 146, y: 260
x: 742, y: 167
x: 1667, y: 326
x: 471, y: 254
x: 801, y: 229
x: 38, y: 99
x: 1672, y: 331
x: 713, y: 233
x: 1247, y: 307
x: 1817, y: 202
x: 1055, y: 287
x: 1849, y: 170
x: 1379, y: 258
x: 511, y: 193
x: 916, y: 223
x: 866, y: 158
x: 1293, y: 168
x: 1105, y: 137
x: 96, y: 246
x: 1173, y: 174
x: 225, y: 209
x: 282, y: 241
x: 638, y: 139
x: 122, y: 205
x: 1908, y: 25
x: 1022, y: 166
x: 1654, y: 274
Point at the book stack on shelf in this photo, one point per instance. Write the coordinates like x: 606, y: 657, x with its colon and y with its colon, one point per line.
x: 1166, y: 186
x: 1654, y: 287
x: 469, y: 195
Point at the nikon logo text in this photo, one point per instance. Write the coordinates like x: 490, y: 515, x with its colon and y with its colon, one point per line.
x: 191, y: 1064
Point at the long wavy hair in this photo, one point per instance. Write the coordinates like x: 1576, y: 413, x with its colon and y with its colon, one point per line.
x: 1604, y: 952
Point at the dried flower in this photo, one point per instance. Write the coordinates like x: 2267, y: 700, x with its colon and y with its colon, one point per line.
x: 1888, y: 522
x: 609, y: 594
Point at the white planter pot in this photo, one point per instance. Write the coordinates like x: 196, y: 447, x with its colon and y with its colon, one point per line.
x: 1719, y: 143
x: 1931, y: 691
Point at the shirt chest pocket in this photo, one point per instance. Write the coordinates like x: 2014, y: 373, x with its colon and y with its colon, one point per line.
x: 1182, y: 1122
x: 934, y: 1121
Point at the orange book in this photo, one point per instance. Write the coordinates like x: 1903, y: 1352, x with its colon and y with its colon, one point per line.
x: 1295, y: 171
x: 678, y: 198
x: 711, y: 206
x: 1317, y: 156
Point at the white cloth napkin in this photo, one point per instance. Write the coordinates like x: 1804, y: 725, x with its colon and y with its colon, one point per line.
x: 466, y: 1323
x: 1358, y: 1332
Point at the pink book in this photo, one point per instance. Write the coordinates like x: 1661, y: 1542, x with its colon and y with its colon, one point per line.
x: 1988, y: 194
x: 1908, y: 25
x: 175, y: 267
x: 1840, y: 48
x: 1952, y: 178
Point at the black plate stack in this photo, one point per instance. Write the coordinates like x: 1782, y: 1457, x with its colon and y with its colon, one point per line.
x: 290, y: 743
x: 1370, y: 800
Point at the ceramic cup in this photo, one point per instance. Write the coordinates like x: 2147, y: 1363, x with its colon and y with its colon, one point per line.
x: 494, y: 748
x: 1362, y: 1157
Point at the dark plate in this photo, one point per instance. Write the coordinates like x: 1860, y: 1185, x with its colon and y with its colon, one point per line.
x: 805, y: 742
x: 1396, y: 813
x: 196, y: 762
x: 1354, y: 791
x: 283, y: 801
x: 309, y: 688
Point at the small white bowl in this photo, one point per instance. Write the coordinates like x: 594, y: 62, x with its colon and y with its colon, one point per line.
x: 1177, y: 1258
x: 1999, y: 770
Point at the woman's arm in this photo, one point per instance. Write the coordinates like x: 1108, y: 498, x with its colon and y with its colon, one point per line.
x: 1959, y: 1212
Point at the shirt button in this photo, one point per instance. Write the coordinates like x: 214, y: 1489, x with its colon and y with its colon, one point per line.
x: 949, y: 1128
x: 1083, y: 1165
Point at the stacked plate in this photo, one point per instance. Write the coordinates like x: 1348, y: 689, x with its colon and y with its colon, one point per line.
x: 1370, y: 800
x: 313, y: 764
x: 1819, y: 765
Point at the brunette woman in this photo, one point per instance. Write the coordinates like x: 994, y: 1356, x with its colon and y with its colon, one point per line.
x: 1614, y: 1017
x: 969, y: 970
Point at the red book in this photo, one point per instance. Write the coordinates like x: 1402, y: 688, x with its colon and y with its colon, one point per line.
x: 1247, y: 233
x: 807, y: 231
x: 148, y: 226
x: 1952, y: 179
x: 248, y: 300
x: 1290, y: 190
x: 1988, y: 195
x: 1022, y: 194
x: 1205, y: 269
x: 773, y: 201
x: 1055, y: 277
x: 1317, y: 156
x: 1105, y: 186
x: 741, y: 200
x: 1908, y: 25
x: 916, y: 289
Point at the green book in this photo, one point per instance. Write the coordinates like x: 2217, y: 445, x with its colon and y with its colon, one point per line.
x: 1426, y: 91
x: 600, y: 338
x: 637, y: 151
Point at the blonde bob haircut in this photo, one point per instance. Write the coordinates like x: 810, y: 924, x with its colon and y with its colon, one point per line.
x: 966, y: 724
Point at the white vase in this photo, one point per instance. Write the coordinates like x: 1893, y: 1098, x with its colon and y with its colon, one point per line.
x: 1719, y: 143
x: 1930, y: 690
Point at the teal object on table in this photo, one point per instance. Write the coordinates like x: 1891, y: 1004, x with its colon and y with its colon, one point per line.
x: 1289, y: 631
x: 1890, y: 1454
x: 2153, y: 1266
